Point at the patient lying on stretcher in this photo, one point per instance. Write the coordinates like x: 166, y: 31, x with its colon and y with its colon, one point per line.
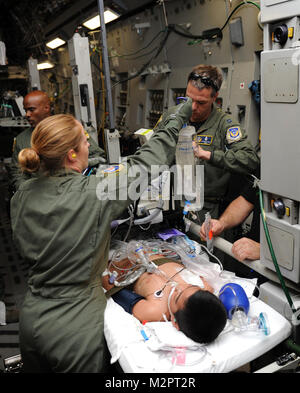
x: 174, y: 293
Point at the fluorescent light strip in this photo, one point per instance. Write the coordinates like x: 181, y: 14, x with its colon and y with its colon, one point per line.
x: 94, y: 22
x: 55, y: 43
x: 44, y: 65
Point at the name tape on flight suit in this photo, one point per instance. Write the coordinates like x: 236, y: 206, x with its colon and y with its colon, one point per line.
x: 233, y: 134
x: 204, y: 139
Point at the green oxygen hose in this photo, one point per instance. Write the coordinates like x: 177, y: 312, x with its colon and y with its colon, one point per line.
x: 274, y: 259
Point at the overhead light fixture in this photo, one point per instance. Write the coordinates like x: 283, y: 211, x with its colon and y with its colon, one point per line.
x: 44, y: 65
x: 94, y: 22
x: 55, y: 43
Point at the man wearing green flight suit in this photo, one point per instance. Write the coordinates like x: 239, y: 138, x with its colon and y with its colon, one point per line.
x: 37, y: 107
x: 220, y: 143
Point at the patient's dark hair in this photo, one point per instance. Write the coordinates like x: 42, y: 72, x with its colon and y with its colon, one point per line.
x: 203, y: 317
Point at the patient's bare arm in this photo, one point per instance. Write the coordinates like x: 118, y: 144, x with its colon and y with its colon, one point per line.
x: 149, y: 310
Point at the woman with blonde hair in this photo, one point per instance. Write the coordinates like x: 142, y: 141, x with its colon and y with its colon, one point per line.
x: 61, y: 225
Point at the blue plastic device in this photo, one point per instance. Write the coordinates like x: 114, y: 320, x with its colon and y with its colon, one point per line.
x: 234, y: 297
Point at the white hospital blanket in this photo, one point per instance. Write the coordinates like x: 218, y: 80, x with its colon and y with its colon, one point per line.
x: 229, y: 351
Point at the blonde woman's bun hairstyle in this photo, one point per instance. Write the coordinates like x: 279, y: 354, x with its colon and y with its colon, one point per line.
x: 29, y: 160
x: 51, y: 140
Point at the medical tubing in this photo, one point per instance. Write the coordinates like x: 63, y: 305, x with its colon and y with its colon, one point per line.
x: 169, y: 301
x: 156, y: 211
x: 140, y: 252
x: 202, y: 350
x: 178, y: 250
x: 127, y: 275
x: 213, y: 256
x: 132, y: 278
x: 121, y: 276
x: 274, y: 259
x: 225, y: 246
x: 195, y: 229
x: 152, y: 215
x: 129, y: 229
x: 143, y: 260
x: 141, y: 221
x: 170, y: 246
x: 162, y: 248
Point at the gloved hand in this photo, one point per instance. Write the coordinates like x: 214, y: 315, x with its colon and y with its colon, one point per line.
x: 182, y: 113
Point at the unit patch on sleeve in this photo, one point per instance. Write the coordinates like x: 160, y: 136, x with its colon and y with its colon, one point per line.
x: 204, y: 139
x: 234, y: 134
x: 113, y: 169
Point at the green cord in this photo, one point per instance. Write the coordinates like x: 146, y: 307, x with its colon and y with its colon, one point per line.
x: 285, y: 290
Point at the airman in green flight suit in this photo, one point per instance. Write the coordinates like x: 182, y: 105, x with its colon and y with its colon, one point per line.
x: 222, y: 146
x: 61, y: 223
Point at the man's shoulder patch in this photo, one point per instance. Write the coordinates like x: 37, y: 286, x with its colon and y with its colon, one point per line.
x: 233, y: 134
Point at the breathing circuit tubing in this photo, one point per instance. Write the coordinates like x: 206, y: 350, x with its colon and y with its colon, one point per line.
x: 137, y: 254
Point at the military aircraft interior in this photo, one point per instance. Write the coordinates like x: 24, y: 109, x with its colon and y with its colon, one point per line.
x: 128, y: 71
